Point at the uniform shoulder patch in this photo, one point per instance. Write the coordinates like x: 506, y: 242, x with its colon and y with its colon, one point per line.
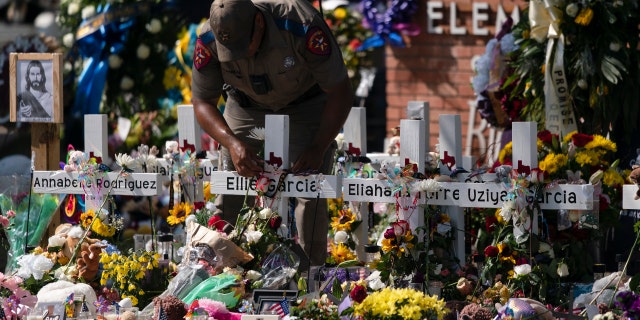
x: 318, y: 42
x: 201, y: 54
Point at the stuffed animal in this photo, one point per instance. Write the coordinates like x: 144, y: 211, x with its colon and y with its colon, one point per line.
x: 634, y: 177
x: 89, y: 261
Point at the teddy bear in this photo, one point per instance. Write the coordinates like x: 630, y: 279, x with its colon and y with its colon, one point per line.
x: 634, y: 177
x: 89, y: 261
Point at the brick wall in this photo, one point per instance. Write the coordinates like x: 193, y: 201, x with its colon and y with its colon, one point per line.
x: 437, y: 67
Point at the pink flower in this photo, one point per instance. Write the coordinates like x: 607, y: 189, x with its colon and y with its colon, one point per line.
x: 11, y: 214
x: 262, y: 184
x: 4, y: 221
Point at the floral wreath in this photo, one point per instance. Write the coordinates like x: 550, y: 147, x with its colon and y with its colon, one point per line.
x: 385, y: 26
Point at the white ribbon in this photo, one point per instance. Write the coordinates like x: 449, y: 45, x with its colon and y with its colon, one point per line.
x: 559, y: 117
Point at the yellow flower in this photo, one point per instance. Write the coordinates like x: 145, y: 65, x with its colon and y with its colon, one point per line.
x: 584, y: 17
x: 207, y: 191
x: 602, y: 143
x: 505, y: 152
x: 179, y: 213
x: 553, y: 162
x: 568, y: 137
x: 340, y: 13
x: 588, y: 157
x: 87, y: 217
x: 612, y: 178
x: 341, y: 252
x: 343, y: 221
x: 102, y: 229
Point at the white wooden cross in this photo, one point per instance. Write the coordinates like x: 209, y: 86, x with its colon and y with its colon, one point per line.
x: 276, y: 152
x: 189, y: 132
x: 489, y: 194
x: 412, y: 150
x: 62, y: 182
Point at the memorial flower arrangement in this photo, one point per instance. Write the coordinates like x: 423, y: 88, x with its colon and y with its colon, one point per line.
x: 126, y: 273
x: 120, y: 51
x: 15, y: 301
x: 321, y: 308
x: 598, y: 68
x: 346, y: 23
x: 343, y: 222
x: 396, y: 304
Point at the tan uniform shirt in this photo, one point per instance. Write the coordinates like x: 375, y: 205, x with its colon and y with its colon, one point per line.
x: 297, y: 52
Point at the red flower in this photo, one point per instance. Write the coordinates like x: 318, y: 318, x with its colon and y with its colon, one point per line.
x: 400, y: 227
x: 216, y: 222
x: 545, y: 136
x: 490, y: 223
x: 604, y: 202
x: 358, y: 293
x: 581, y: 139
x: 198, y: 205
x: 262, y: 184
x: 275, y: 222
x: 354, y: 44
x: 491, y: 251
x: 389, y: 234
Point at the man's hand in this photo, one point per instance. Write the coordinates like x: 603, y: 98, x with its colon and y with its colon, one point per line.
x: 25, y: 109
x: 310, y: 159
x: 246, y: 160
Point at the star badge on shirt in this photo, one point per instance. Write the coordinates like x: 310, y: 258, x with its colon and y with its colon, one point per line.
x: 201, y: 55
x: 318, y: 42
x: 289, y: 62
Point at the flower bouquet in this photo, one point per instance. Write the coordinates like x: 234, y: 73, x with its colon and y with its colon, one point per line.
x: 397, y: 304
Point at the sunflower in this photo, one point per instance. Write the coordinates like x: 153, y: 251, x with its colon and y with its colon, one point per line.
x: 86, y: 218
x: 343, y: 221
x: 179, y: 213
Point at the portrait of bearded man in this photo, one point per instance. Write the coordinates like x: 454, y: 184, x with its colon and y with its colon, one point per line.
x: 35, y: 102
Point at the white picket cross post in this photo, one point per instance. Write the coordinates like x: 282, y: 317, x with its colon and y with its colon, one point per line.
x: 412, y: 150
x: 525, y: 154
x: 189, y: 137
x: 355, y: 136
x: 451, y: 158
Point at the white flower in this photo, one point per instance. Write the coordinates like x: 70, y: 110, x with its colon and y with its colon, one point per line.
x: 257, y: 133
x: 126, y: 161
x: 437, y: 269
x: 88, y: 12
x: 563, y: 270
x: 210, y: 206
x: 154, y: 26
x: 143, y: 51
x: 67, y: 39
x: 614, y: 46
x: 73, y: 8
x: 572, y: 9
x: 76, y: 232
x: 253, y: 275
x: 126, y: 83
x: 115, y: 61
x: 375, y: 282
x: 171, y: 147
x: 340, y: 141
x: 522, y: 270
x: 265, y: 213
x: 508, y: 209
x: 147, y: 157
x: 582, y: 83
x: 253, y: 236
x: 429, y: 185
x: 33, y: 265
x: 56, y: 241
x: 341, y: 237
x: 66, y: 274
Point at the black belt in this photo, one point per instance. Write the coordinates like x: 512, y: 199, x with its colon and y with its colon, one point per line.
x: 245, y: 101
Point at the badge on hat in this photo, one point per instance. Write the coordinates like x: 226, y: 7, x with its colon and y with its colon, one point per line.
x: 201, y: 55
x: 318, y: 42
x: 288, y: 62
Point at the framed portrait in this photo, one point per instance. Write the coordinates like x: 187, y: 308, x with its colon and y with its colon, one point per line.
x: 35, y: 87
